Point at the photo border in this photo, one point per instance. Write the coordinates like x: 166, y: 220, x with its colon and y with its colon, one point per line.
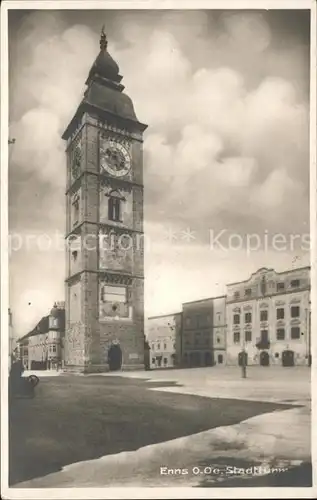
x: 166, y: 492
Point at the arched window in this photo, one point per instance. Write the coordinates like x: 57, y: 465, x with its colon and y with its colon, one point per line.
x: 115, y: 206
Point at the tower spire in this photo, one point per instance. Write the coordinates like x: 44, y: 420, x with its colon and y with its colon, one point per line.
x: 103, y: 39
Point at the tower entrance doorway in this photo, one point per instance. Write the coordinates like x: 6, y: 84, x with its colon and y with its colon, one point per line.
x: 114, y: 357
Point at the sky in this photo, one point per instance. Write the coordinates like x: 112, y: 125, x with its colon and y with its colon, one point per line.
x: 225, y: 95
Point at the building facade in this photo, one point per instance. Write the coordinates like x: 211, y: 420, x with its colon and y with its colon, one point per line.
x: 219, y: 330
x: 204, y: 332
x: 105, y: 256
x: 43, y: 347
x: 197, y: 334
x: 268, y: 318
x: 164, y: 338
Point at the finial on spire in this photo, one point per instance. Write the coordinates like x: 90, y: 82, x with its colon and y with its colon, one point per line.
x: 103, y: 39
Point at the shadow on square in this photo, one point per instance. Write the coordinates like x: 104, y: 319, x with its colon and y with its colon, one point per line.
x: 74, y: 419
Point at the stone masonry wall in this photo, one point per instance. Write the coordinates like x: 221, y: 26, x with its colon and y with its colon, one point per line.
x: 88, y: 338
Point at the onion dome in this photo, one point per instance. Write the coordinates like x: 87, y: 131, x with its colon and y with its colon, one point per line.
x: 104, y: 95
x: 104, y: 66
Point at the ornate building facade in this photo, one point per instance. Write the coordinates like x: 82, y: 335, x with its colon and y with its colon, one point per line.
x: 105, y: 257
x: 268, y: 318
x: 164, y: 337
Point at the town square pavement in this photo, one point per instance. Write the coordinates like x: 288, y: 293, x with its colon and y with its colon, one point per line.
x: 143, y: 428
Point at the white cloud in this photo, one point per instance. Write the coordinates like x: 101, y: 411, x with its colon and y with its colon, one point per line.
x: 227, y: 143
x: 249, y: 32
x: 273, y: 193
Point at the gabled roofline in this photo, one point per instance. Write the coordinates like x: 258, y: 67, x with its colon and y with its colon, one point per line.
x: 288, y: 271
x: 35, y: 331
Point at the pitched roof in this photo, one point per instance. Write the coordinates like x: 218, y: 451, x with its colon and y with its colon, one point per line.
x: 41, y: 327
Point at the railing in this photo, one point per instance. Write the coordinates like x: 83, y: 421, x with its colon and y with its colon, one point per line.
x: 262, y: 343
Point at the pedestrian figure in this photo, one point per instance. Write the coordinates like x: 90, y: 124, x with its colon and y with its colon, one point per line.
x: 15, y: 377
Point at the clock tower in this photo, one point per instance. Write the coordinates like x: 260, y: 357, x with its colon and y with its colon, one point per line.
x: 104, y: 227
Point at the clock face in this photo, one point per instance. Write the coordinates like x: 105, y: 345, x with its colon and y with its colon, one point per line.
x: 76, y: 161
x: 115, y: 159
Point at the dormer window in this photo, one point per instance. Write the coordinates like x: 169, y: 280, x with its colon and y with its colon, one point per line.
x: 236, y: 295
x: 247, y: 292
